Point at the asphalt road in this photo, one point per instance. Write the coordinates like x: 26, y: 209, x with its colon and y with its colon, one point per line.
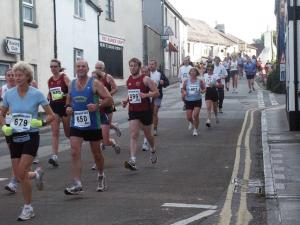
x: 190, y: 184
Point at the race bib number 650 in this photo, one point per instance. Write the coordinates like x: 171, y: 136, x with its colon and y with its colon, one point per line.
x: 82, y: 118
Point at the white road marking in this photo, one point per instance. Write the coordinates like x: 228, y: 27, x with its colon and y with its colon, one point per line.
x: 195, y: 206
x: 260, y: 98
x: 3, y: 178
x: 195, y: 218
x: 273, y: 99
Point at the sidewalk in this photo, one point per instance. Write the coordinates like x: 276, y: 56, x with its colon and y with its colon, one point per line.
x: 281, y: 150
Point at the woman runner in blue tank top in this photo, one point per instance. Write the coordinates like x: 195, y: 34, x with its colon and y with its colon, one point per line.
x: 192, y: 93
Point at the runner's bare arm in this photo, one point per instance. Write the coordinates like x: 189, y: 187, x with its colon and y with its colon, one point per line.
x: 113, y: 85
x: 3, y: 112
x: 183, y: 89
x: 50, y: 116
x: 154, y: 93
x: 107, y: 99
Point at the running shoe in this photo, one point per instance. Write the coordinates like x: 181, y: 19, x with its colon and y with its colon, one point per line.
x: 11, y: 187
x: 94, y: 167
x: 145, y: 146
x: 208, y: 122
x: 53, y: 162
x: 73, y: 190
x: 190, y: 126
x: 102, y: 146
x: 220, y: 110
x: 26, y: 214
x: 39, y: 178
x: 117, y: 130
x: 253, y: 88
x: 130, y: 165
x: 155, y: 132
x: 101, y: 183
x: 195, y: 132
x: 36, y: 160
x: 117, y: 148
x: 153, y: 157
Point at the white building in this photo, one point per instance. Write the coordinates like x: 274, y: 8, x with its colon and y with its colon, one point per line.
x: 121, y: 36
x: 38, y: 37
x: 77, y: 33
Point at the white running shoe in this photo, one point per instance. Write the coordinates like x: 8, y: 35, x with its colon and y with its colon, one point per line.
x: 190, y: 126
x: 208, y: 122
x: 11, y: 187
x: 101, y: 183
x: 94, y: 167
x: 73, y: 190
x: 39, y: 178
x: 36, y: 160
x: 145, y: 146
x: 195, y: 132
x: 26, y: 214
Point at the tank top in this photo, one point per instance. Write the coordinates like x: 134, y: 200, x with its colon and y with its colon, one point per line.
x: 4, y: 89
x: 82, y: 119
x: 58, y: 86
x: 135, y: 87
x: 193, y: 90
x: 106, y: 84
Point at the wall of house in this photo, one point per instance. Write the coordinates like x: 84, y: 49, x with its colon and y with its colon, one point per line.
x: 128, y: 26
x: 74, y: 32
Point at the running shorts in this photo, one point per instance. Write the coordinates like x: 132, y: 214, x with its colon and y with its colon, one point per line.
x: 144, y: 116
x: 211, y: 94
x: 58, y: 108
x: 87, y: 135
x: 190, y: 105
x: 24, y: 143
x: 249, y: 77
x: 104, y: 118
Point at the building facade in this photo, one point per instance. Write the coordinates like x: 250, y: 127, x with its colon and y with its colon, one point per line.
x: 30, y: 39
x: 121, y: 36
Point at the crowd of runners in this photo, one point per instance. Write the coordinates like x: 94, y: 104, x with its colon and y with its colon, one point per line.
x: 85, y: 107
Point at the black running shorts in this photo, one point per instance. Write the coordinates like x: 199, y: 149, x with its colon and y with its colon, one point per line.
x: 144, y: 116
x: 87, y: 135
x: 24, y: 143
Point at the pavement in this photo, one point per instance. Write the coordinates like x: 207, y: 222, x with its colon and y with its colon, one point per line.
x: 281, y: 151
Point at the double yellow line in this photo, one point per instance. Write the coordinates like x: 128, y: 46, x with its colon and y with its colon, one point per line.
x: 243, y: 215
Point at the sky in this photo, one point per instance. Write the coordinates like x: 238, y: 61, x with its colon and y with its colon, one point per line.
x: 245, y: 19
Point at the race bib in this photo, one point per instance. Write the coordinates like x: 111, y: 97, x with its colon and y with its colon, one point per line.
x: 194, y: 88
x: 185, y: 75
x: 20, y: 122
x: 82, y: 119
x: 8, y: 119
x: 56, y: 93
x: 134, y: 96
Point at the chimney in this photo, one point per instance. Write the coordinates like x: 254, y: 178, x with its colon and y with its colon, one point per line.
x: 220, y: 27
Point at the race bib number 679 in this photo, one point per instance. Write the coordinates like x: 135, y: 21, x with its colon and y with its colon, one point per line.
x: 20, y: 122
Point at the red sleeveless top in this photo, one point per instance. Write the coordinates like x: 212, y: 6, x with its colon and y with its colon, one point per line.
x: 136, y: 86
x: 56, y: 84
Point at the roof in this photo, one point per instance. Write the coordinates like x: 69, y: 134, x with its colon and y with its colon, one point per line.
x: 200, y: 31
x: 171, y: 7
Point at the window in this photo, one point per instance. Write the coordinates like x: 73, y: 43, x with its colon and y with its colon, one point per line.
x: 110, y: 14
x: 175, y: 25
x: 78, y: 54
x: 3, y: 68
x: 29, y: 11
x: 79, y: 8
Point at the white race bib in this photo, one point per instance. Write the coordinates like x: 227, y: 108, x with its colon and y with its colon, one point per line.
x: 56, y: 93
x: 20, y: 122
x: 194, y: 88
x: 82, y: 119
x: 134, y: 96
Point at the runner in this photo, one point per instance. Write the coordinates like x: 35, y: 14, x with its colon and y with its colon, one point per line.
x: 250, y: 70
x: 183, y: 74
x: 10, y: 83
x: 105, y: 127
x: 58, y: 88
x: 234, y: 73
x: 140, y: 89
x: 212, y: 81
x: 191, y: 92
x: 227, y: 65
x: 83, y: 106
x: 222, y: 73
x: 240, y: 62
x: 23, y: 102
x: 109, y: 82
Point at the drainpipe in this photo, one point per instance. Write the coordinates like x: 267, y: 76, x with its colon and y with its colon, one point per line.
x: 98, y: 25
x: 55, y: 32
x: 295, y: 57
x: 162, y: 33
x: 21, y: 24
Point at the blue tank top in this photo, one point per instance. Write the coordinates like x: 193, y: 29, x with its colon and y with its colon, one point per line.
x: 83, y: 119
x: 193, y: 90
